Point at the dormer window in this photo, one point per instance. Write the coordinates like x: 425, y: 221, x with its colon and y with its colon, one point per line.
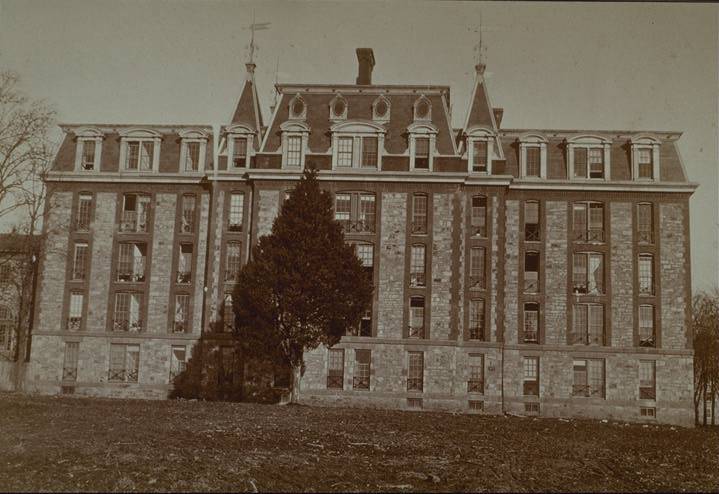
x: 589, y: 158
x: 381, y: 109
x: 88, y: 154
x: 140, y: 150
x: 422, y: 144
x: 421, y: 153
x: 298, y: 108
x: 422, y: 109
x: 193, y: 150
x: 239, y: 152
x: 294, y: 144
x: 645, y: 158
x: 338, y: 108
x: 357, y: 145
x: 139, y: 156
x: 239, y: 146
x: 294, y: 151
x: 532, y: 156
x: 89, y: 147
x: 479, y: 156
x: 480, y: 150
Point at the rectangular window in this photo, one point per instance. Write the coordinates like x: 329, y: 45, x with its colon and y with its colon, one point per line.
x: 84, y: 206
x: 475, y: 384
x: 479, y: 216
x: 131, y: 262
x: 588, y: 324
x: 479, y: 156
x: 184, y: 264
x: 417, y: 266
x: 140, y: 155
x: 531, y: 221
x: 343, y: 209
x: 588, y: 378
x: 415, y: 373
x: 531, y: 376
x: 588, y: 273
x: 124, y: 363
x: 178, y: 361
x: 476, y: 268
x: 646, y: 164
x: 596, y: 163
x: 416, y: 317
x: 294, y: 151
x: 646, y: 274
x: 135, y: 213
x: 79, y: 265
x: 531, y: 322
x: 365, y: 325
x: 365, y: 252
x: 234, y: 261
x: 69, y: 365
x: 366, y: 220
x: 647, y: 380
x: 228, y: 314
x: 647, y: 337
x: 533, y: 162
x: 88, y: 155
x: 644, y: 223
x: 181, y: 322
x: 127, y: 312
x: 421, y: 153
x: 531, y: 272
x: 476, y: 319
x: 192, y: 156
x: 74, y: 320
x: 580, y: 163
x: 237, y: 205
x: 369, y: 152
x: 188, y: 214
x: 239, y: 152
x: 344, y: 151
x: 363, y: 359
x: 596, y: 324
x: 419, y: 214
x: 336, y: 368
x: 588, y: 221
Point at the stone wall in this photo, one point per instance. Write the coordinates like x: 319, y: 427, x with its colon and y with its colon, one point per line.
x: 441, y: 260
x: 268, y: 204
x: 199, y: 269
x: 673, y: 275
x: 494, y: 268
x: 103, y: 229
x: 215, y: 260
x: 622, y: 274
x: 390, y: 305
x: 161, y: 264
x: 511, y: 271
x: 556, y: 273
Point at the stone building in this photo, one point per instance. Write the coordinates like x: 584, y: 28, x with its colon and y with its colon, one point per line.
x: 531, y: 271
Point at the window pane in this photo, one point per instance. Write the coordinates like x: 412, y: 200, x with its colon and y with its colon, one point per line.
x: 596, y: 324
x: 476, y: 267
x: 476, y: 319
x: 533, y: 162
x: 188, y: 214
x: 192, y: 156
x: 579, y: 334
x: 531, y: 368
x: 419, y: 213
x: 421, y: 153
x: 343, y: 208
x: 239, y: 152
x: 88, y: 155
x: 237, y: 202
x: 344, y: 151
x: 366, y: 254
x: 417, y: 265
x: 596, y: 163
x: 366, y: 218
x: 416, y: 317
x: 531, y: 212
x: 369, y: 152
x: 595, y: 274
x: 80, y: 262
x: 531, y: 322
x: 479, y: 156
x: 294, y: 151
x: 146, y: 152
x: 580, y: 163
x: 580, y: 221
x: 479, y: 216
x: 646, y: 274
x: 644, y: 222
x: 133, y: 155
x: 234, y: 263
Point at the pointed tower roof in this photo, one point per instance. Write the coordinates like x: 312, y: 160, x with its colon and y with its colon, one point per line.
x: 248, y: 111
x: 480, y: 111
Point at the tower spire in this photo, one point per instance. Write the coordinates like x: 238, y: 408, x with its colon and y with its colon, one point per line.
x: 255, y: 26
x: 479, y: 50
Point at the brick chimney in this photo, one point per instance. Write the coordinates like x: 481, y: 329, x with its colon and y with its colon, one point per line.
x: 365, y: 57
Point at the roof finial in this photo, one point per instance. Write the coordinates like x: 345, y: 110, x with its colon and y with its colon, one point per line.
x: 479, y: 49
x: 255, y: 26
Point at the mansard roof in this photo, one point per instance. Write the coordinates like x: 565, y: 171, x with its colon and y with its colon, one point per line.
x: 480, y: 112
x: 247, y: 111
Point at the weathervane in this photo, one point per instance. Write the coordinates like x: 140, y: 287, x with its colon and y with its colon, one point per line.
x: 255, y: 26
x: 479, y: 48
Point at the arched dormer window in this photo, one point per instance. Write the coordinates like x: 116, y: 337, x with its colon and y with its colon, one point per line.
x: 193, y: 150
x: 480, y: 150
x: 422, y: 109
x: 239, y: 146
x: 381, y: 109
x: 645, y: 158
x: 298, y: 108
x: 357, y: 144
x: 294, y: 144
x: 589, y: 158
x: 88, y: 150
x: 422, y: 140
x: 140, y: 150
x: 532, y: 156
x: 338, y: 108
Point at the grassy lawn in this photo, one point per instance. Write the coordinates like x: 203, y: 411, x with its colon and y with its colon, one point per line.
x: 66, y: 443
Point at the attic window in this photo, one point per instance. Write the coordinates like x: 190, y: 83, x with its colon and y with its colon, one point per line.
x: 88, y: 150
x: 381, y: 109
x: 645, y: 158
x: 338, y: 108
x: 589, y: 158
x: 422, y: 109
x: 298, y: 109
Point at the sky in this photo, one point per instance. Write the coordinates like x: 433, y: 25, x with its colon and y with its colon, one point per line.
x: 550, y: 65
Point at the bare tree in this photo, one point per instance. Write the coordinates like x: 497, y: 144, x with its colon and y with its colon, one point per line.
x: 705, y: 322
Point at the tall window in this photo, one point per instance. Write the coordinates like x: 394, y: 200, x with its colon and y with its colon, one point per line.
x: 645, y: 228
x: 588, y: 324
x: 7, y: 323
x: 343, y: 209
x: 355, y: 212
x: 74, y: 320
x: 588, y: 221
x: 415, y: 373
x: 228, y: 314
x: 531, y: 322
x: 140, y: 155
x: 365, y: 252
x: 135, y: 212
x: 188, y: 214
x: 239, y: 152
x: 588, y: 378
x: 647, y: 337
x: 237, y: 203
x: 589, y: 162
x: 417, y: 266
x: 127, y: 312
x: 479, y: 156
x: 533, y: 161
x: 294, y: 151
x: 479, y: 216
x: 647, y: 380
x: 366, y: 220
x: 421, y: 153
x: 344, y: 151
x: 646, y: 163
x: 588, y: 273
x: 184, y: 264
x: 79, y: 265
x: 84, y: 206
x: 416, y: 317
x: 369, y: 152
x: 476, y: 319
x: 419, y: 214
x: 131, y: 262
x: 178, y: 361
x: 646, y: 274
x: 69, y: 365
x: 336, y: 368
x: 475, y: 384
x: 363, y: 359
x: 88, y: 154
x: 234, y: 261
x: 531, y: 272
x: 192, y: 156
x: 476, y: 268
x: 182, y: 314
x: 531, y: 221
x: 531, y: 376
x: 124, y: 363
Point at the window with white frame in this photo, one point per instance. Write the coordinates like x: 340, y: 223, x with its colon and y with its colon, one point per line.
x: 417, y: 266
x: 645, y: 158
x: 422, y: 109
x: 139, y: 155
x: 356, y: 145
x: 88, y: 153
x: 533, y: 161
x: 532, y: 156
x: 589, y: 158
x: 481, y: 150
x: 422, y: 145
x: 479, y: 155
x: 297, y: 107
x: 338, y: 108
x: 74, y: 319
x: 235, y: 218
x: 239, y: 152
x: 294, y: 151
x: 88, y: 150
x: 192, y: 156
x: 381, y: 109
x: 193, y: 150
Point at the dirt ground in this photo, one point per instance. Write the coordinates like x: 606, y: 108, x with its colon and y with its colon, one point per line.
x: 69, y: 444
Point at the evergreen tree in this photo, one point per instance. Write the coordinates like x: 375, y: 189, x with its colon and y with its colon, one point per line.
x: 304, y: 286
